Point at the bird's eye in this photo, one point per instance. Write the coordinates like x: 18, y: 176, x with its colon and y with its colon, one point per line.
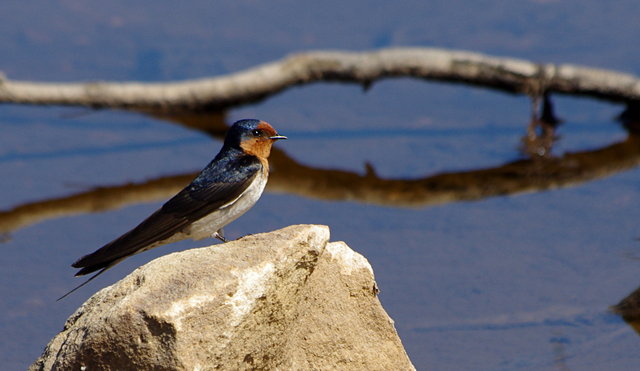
x: 256, y: 133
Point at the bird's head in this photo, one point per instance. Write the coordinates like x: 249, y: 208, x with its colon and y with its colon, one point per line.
x: 254, y: 137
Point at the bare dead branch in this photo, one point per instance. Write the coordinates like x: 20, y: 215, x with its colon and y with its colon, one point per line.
x: 503, y: 74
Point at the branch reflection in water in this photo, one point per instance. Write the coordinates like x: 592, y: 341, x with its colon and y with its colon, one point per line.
x: 629, y: 309
x: 289, y: 176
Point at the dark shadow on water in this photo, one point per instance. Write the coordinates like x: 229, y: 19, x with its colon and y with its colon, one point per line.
x: 629, y: 309
x: 291, y: 177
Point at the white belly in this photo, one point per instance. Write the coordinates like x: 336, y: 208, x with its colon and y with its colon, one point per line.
x: 213, y: 222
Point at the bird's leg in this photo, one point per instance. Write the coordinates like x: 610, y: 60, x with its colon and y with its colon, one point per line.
x: 220, y: 235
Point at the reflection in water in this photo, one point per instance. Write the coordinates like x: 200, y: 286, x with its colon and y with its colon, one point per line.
x: 211, y: 123
x: 559, y: 344
x: 541, y: 133
x: 289, y: 176
x: 630, y: 117
x: 514, y: 177
x: 94, y: 200
x: 629, y: 309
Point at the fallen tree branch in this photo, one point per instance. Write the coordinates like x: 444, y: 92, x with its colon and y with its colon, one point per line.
x: 503, y: 74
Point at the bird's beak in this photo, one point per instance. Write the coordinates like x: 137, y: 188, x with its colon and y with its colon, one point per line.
x: 276, y: 137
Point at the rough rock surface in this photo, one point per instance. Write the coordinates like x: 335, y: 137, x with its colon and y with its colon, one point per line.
x: 285, y: 300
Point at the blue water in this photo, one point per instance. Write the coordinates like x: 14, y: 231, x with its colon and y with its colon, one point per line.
x: 519, y: 282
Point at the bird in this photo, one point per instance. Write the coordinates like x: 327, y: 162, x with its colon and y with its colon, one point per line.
x: 223, y: 191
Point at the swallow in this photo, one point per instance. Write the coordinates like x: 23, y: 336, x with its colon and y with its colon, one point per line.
x: 224, y: 190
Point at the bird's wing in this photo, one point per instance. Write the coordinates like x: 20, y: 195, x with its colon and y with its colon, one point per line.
x: 192, y: 203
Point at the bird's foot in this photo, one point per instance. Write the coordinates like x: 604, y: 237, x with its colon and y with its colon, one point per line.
x: 220, y: 235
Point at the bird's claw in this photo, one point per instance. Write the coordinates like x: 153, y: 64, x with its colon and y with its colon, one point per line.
x: 220, y: 235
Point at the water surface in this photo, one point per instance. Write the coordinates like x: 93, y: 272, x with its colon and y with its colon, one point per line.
x: 518, y: 281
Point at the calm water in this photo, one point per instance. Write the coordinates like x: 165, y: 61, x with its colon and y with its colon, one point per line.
x: 517, y: 282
